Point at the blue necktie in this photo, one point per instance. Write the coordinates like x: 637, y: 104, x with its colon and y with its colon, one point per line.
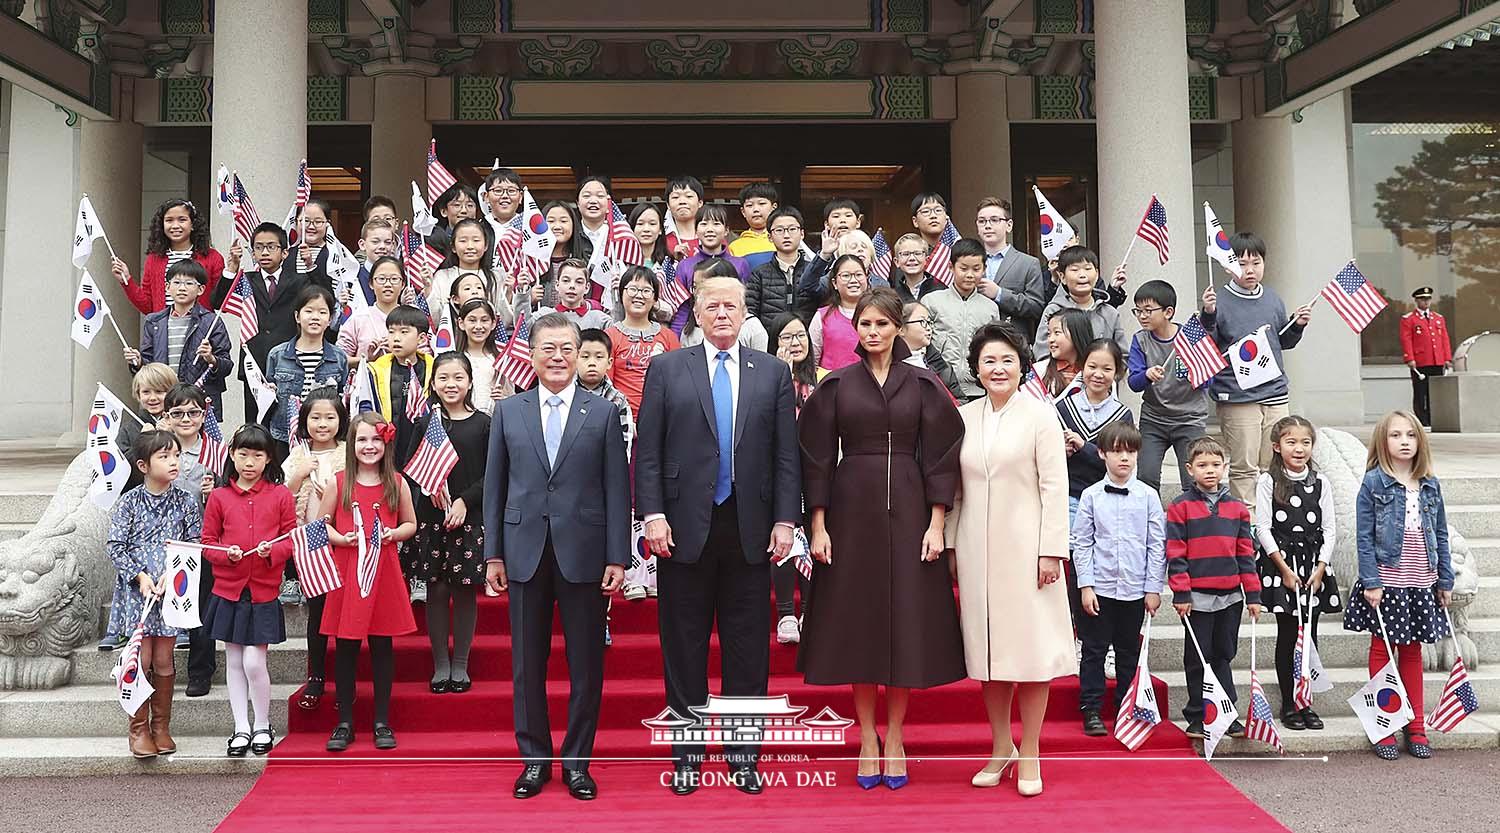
x: 724, y: 421
x: 552, y: 434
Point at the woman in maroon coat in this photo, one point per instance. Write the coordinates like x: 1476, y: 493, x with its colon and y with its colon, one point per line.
x: 881, y: 610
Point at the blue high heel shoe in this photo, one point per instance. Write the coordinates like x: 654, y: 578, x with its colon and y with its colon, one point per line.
x: 870, y: 782
x: 895, y: 782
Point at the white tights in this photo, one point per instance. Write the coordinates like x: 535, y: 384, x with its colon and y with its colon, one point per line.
x: 249, y: 685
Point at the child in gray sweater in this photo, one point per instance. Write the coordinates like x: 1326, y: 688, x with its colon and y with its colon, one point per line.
x: 1079, y: 267
x: 1246, y: 416
x: 1173, y: 412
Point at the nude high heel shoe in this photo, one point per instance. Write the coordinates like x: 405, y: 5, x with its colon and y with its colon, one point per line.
x: 993, y: 779
x: 1026, y: 787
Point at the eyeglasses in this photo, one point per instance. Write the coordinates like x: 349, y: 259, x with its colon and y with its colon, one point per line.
x: 910, y: 255
x: 788, y: 338
x: 182, y: 416
x: 785, y: 231
x: 182, y: 284
x: 639, y: 290
x: 932, y: 212
x: 924, y: 323
x: 316, y: 223
x: 1145, y: 312
x: 506, y: 192
x: 389, y: 280
x: 991, y: 221
x: 266, y: 247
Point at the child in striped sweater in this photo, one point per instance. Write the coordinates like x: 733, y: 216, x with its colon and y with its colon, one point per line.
x: 1211, y: 572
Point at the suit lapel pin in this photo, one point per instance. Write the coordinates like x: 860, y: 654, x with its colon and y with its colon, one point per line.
x: 750, y: 365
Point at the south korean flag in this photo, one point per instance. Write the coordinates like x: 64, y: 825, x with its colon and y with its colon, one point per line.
x: 132, y: 689
x: 111, y: 470
x: 180, y: 603
x: 1254, y: 362
x: 104, y: 419
x: 1382, y: 705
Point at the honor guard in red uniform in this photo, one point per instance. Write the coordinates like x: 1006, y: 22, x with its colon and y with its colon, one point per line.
x: 1426, y: 350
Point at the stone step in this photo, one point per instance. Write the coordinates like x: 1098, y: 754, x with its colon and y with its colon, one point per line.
x: 1487, y: 603
x: 23, y: 508
x: 1457, y: 491
x: 1487, y: 550
x: 286, y: 661
x: 1345, y: 734
x: 1346, y: 681
x: 109, y: 755
x: 1480, y: 520
x: 12, y: 531
x: 92, y: 710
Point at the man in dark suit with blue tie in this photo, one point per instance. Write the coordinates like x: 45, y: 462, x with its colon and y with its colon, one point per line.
x: 718, y: 482
x: 556, y: 531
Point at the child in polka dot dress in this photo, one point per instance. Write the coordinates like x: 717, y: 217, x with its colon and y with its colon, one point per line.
x: 1294, y: 526
x: 1405, y: 570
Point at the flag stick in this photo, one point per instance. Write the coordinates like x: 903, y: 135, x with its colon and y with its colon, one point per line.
x: 112, y: 323
x: 1136, y: 236
x: 102, y: 233
x: 1293, y: 319
x: 1129, y: 248
x: 134, y: 417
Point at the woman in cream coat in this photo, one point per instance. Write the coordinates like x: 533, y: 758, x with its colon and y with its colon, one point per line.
x: 1009, y: 530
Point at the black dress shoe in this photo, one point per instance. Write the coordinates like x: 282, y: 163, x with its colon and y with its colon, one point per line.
x: 1093, y: 724
x: 199, y: 688
x: 684, y: 780
x: 746, y: 781
x: 1293, y: 721
x: 580, y: 785
x: 529, y: 785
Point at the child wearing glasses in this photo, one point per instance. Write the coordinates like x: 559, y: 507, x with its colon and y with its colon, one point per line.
x: 183, y: 410
x: 1173, y: 412
x: 185, y: 335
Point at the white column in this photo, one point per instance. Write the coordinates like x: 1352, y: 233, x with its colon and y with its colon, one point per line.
x: 111, y: 155
x: 260, y: 102
x: 37, y: 278
x: 398, y: 136
x: 1291, y: 186
x: 1141, y: 99
x: 980, y: 146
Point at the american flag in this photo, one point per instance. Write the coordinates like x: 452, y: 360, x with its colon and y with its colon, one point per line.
x: 304, y: 185
x: 938, y: 261
x: 1353, y: 298
x: 213, y: 452
x: 1153, y: 228
x: 293, y: 412
x: 434, y: 460
x: 1458, y: 700
x: 881, y: 268
x: 369, y: 553
x: 438, y: 177
x: 240, y: 302
x: 1260, y: 724
x: 508, y: 246
x: 416, y: 398
x: 514, y: 360
x: 245, y: 216
x: 1139, y: 712
x: 1034, y: 385
x: 1198, y: 352
x: 314, y: 557
x: 421, y: 259
x: 673, y: 293
x: 1301, y: 684
x: 621, y: 244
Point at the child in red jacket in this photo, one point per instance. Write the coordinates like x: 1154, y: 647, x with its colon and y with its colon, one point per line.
x: 244, y: 611
x: 178, y: 233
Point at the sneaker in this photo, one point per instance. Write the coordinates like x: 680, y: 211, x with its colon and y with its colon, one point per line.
x: 1236, y: 730
x: 1194, y: 730
x: 650, y: 592
x: 113, y: 642
x: 291, y: 592
x: 182, y: 643
x: 788, y: 630
x: 635, y: 592
x: 1109, y: 665
x: 418, y: 591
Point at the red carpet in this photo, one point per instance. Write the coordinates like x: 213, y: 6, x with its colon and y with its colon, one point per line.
x: 1094, y: 780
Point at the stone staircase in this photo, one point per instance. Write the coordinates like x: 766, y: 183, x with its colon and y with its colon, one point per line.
x: 79, y: 729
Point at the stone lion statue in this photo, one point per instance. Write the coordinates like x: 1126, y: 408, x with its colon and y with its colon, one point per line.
x: 1340, y: 456
x: 53, y: 582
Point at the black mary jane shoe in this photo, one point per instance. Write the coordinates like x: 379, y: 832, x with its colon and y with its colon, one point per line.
x: 1311, y: 720
x: 261, y: 747
x: 312, y: 694
x: 531, y: 780
x: 1387, y: 750
x: 580, y: 785
x: 440, y: 686
x: 343, y: 735
x: 234, y: 750
x: 460, y: 686
x: 1294, y: 721
x: 1417, y: 746
x: 385, y: 736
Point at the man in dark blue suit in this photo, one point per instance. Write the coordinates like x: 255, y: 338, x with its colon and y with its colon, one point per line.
x: 718, y: 482
x: 556, y: 531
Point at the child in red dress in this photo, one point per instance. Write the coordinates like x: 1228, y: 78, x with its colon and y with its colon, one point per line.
x: 368, y: 491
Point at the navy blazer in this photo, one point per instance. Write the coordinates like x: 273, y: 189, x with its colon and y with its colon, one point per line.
x: 676, y: 477
x: 275, y: 314
x: 189, y: 368
x: 583, y: 501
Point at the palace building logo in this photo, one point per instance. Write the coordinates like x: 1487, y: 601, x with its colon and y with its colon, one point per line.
x: 747, y: 720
